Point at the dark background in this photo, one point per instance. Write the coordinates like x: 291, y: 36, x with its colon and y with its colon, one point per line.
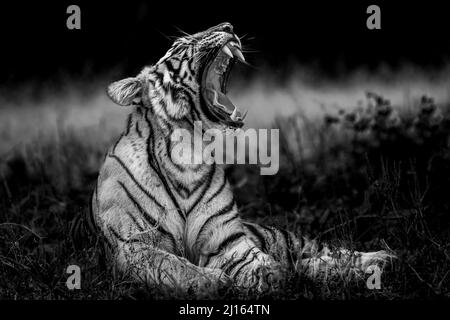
x: 332, y: 37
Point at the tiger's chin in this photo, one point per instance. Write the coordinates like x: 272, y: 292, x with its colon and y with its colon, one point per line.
x: 214, y: 86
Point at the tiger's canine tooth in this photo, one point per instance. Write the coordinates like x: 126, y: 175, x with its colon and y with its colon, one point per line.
x: 238, y: 54
x: 234, y: 114
x: 227, y: 51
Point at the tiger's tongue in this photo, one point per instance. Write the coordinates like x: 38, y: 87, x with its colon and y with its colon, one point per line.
x: 219, y: 99
x: 225, y: 101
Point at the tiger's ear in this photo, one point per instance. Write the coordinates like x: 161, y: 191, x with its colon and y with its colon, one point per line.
x: 126, y: 91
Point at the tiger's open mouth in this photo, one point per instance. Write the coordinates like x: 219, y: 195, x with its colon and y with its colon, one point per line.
x: 214, y: 85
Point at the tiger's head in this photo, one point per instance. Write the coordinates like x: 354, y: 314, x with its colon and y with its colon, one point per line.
x: 190, y: 81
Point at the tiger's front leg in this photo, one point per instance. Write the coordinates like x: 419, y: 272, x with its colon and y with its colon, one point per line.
x: 247, y: 266
x: 334, y: 261
x: 306, y: 256
x: 148, y: 250
x: 231, y: 250
x: 159, y: 268
x: 217, y: 239
x: 147, y: 256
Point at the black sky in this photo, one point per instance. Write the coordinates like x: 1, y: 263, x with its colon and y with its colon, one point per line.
x: 332, y: 36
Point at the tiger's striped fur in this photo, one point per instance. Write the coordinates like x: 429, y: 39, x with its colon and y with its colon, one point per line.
x: 178, y: 225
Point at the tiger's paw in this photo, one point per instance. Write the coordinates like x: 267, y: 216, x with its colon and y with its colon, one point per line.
x: 271, y: 278
x: 262, y: 276
x: 209, y: 282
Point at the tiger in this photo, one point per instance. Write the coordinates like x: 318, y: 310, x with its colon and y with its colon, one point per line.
x: 178, y: 225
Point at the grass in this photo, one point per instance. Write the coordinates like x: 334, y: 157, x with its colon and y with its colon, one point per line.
x: 368, y: 179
